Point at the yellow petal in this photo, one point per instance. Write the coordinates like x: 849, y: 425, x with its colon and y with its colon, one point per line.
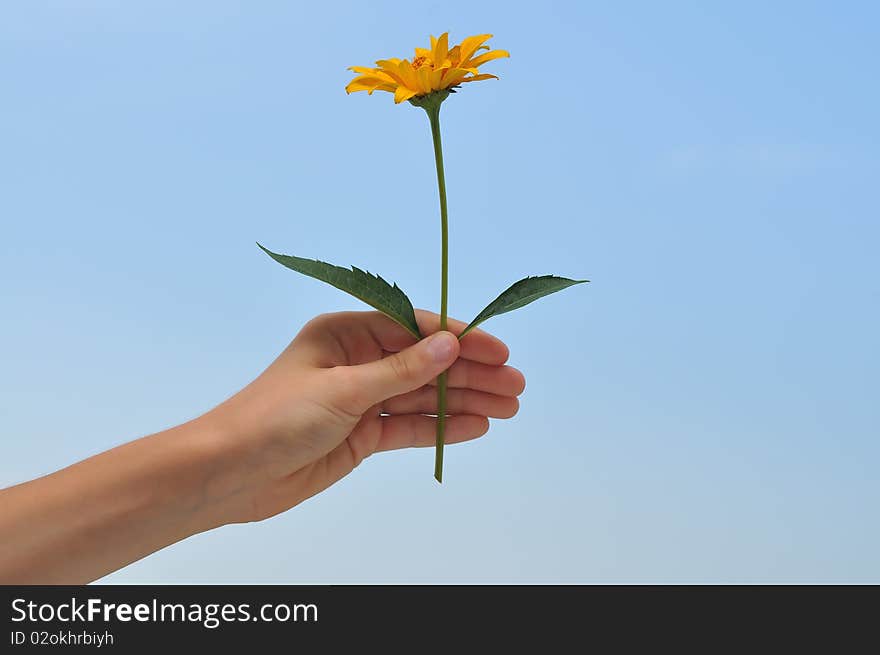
x: 407, y: 74
x: 374, y: 72
x: 372, y: 79
x: 470, y: 44
x: 424, y: 74
x: 391, y: 88
x: 481, y: 76
x: 357, y: 85
x: 391, y: 68
x: 482, y: 59
x: 440, y: 48
x: 369, y: 86
x: 402, y: 93
x: 453, y: 76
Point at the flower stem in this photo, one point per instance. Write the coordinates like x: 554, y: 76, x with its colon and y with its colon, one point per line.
x: 434, y: 117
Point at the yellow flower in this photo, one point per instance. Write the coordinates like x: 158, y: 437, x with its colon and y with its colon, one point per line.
x: 434, y: 69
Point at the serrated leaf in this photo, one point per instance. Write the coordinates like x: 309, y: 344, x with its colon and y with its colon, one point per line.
x: 363, y: 285
x: 520, y: 294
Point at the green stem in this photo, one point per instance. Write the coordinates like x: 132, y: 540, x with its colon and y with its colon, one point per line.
x: 434, y: 117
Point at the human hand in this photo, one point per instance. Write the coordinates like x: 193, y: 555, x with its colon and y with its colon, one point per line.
x: 349, y: 385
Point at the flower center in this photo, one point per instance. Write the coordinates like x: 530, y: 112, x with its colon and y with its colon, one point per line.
x: 418, y: 62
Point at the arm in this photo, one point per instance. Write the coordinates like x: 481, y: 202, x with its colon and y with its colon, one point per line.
x: 349, y: 385
x: 100, y: 514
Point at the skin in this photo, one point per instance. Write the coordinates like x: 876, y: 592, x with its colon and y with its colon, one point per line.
x: 349, y: 385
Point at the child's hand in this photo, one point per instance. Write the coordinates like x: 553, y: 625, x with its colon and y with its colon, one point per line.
x: 349, y: 385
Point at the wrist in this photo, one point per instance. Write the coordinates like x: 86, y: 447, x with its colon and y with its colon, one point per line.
x: 207, y: 478
x: 226, y: 447
x: 175, y: 476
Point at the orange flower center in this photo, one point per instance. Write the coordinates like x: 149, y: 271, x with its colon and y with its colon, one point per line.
x: 418, y: 62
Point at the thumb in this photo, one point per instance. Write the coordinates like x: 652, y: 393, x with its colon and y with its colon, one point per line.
x: 407, y: 370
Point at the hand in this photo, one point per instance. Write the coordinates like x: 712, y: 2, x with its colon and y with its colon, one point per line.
x: 349, y: 385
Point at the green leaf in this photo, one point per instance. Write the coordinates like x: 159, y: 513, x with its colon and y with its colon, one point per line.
x: 521, y: 294
x: 363, y: 285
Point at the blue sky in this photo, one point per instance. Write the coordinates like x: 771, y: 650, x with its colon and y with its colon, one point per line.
x: 704, y: 411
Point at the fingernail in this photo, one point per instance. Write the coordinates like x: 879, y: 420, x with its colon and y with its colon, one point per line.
x: 441, y: 346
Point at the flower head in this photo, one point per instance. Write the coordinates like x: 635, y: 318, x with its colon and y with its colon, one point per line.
x: 432, y: 69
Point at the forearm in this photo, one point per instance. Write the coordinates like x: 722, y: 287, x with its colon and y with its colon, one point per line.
x: 89, y: 519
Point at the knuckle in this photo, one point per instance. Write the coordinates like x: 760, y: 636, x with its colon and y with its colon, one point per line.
x: 347, y: 397
x: 400, y: 367
x: 318, y: 322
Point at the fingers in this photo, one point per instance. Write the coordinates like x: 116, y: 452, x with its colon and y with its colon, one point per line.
x: 477, y: 345
x: 458, y: 401
x: 500, y: 380
x: 416, y: 431
x: 365, y: 385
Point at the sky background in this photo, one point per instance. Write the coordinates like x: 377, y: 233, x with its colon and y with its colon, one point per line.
x: 706, y: 410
